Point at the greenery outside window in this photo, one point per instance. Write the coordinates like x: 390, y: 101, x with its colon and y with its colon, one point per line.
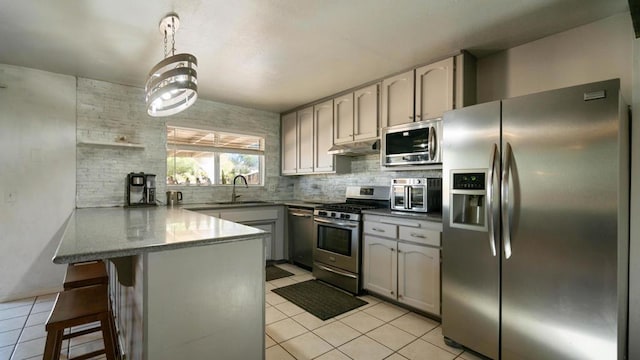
x: 198, y: 157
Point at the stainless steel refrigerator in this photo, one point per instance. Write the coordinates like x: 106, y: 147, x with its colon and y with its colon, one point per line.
x: 535, y: 225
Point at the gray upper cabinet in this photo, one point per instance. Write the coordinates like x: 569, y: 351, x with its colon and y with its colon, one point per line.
x: 305, y: 140
x: 366, y: 113
x: 397, y: 99
x: 356, y: 115
x: 323, y: 130
x: 428, y: 91
x: 434, y: 89
x: 307, y: 136
x: 343, y: 119
x: 418, y: 94
x: 289, y: 144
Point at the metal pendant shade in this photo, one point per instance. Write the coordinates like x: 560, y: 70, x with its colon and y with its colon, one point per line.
x: 172, y: 85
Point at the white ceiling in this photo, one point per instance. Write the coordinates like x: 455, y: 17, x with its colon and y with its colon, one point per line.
x: 275, y: 54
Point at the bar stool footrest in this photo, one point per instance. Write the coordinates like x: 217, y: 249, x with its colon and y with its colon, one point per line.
x: 89, y: 355
x: 81, y: 332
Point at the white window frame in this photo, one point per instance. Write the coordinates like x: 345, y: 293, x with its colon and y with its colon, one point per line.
x: 217, y: 151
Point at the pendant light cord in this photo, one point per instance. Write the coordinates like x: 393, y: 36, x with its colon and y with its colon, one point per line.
x: 173, y: 39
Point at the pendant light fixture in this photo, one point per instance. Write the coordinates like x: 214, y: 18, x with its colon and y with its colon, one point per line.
x: 172, y: 85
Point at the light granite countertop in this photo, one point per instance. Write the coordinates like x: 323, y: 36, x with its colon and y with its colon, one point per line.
x: 249, y: 204
x: 434, y: 217
x: 103, y: 233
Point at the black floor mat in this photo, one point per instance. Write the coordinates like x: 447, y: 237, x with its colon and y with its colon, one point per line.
x: 323, y: 301
x: 274, y: 272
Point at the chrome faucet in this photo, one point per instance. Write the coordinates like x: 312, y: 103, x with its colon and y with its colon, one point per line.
x: 233, y: 193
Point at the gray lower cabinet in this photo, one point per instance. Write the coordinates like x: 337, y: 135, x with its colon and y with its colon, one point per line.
x: 402, y: 260
x: 267, y: 218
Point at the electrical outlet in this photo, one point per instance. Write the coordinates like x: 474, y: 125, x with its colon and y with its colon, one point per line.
x: 272, y: 187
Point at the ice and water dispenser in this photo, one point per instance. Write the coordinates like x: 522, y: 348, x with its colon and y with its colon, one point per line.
x: 468, y: 200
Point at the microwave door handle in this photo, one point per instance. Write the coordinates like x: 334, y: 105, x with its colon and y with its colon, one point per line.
x: 407, y: 197
x: 432, y: 143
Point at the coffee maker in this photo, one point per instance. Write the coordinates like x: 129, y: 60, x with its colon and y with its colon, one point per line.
x: 141, y: 189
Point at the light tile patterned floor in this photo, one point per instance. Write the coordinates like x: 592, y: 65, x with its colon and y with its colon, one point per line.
x: 22, y: 332
x: 378, y: 330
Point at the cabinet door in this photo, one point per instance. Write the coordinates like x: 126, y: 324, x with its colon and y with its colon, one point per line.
x: 289, y: 144
x: 305, y: 140
x: 268, y: 240
x: 419, y: 277
x: 397, y: 99
x: 343, y: 119
x: 366, y: 113
x: 380, y: 266
x: 434, y: 89
x: 323, y: 135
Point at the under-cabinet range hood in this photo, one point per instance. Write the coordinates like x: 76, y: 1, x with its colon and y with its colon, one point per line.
x: 356, y: 148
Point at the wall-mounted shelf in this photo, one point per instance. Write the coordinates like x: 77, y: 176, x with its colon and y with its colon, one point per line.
x: 111, y: 144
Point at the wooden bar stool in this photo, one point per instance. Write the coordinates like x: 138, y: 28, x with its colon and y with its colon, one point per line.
x: 77, y: 307
x: 85, y: 274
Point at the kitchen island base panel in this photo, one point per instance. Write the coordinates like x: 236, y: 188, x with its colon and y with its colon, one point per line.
x: 193, y: 302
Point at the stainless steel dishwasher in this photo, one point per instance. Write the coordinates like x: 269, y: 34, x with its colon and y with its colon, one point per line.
x: 301, y: 236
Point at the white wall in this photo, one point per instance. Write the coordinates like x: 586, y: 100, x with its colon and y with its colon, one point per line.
x: 37, y: 177
x: 598, y: 51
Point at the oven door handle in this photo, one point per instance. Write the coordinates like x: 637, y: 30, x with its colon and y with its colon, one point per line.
x: 335, y: 271
x: 336, y: 223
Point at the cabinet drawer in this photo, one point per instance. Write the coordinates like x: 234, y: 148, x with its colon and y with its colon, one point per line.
x: 419, y: 235
x: 250, y: 215
x: 375, y: 228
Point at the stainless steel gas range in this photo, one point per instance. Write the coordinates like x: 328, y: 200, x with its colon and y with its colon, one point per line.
x: 338, y: 236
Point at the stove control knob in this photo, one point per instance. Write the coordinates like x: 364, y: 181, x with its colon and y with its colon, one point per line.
x: 333, y: 214
x: 345, y: 216
x: 322, y: 213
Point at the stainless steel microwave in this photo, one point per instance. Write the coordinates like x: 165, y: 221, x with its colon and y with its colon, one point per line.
x: 415, y: 143
x: 417, y: 194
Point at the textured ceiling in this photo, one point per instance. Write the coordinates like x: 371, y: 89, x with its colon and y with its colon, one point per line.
x: 275, y: 54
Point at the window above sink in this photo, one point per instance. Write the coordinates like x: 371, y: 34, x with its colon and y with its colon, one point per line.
x: 200, y: 157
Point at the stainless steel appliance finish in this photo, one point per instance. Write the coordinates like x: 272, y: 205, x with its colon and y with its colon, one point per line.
x: 416, y: 143
x: 417, y: 194
x: 338, y: 233
x: 542, y: 271
x: 301, y: 236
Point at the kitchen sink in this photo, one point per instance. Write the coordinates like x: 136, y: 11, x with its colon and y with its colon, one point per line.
x: 247, y: 202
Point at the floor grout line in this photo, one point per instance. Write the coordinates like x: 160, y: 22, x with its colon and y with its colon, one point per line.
x: 15, y: 346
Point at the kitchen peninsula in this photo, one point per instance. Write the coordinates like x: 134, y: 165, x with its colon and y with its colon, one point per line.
x: 184, y: 284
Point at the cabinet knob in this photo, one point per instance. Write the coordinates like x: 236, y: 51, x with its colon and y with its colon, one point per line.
x: 399, y: 296
x: 418, y: 116
x: 391, y: 292
x: 399, y: 251
x: 411, y: 117
x: 392, y: 249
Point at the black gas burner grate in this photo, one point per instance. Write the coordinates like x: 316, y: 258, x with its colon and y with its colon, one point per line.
x: 347, y: 207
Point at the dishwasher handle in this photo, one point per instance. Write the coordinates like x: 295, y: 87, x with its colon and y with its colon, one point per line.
x: 304, y: 215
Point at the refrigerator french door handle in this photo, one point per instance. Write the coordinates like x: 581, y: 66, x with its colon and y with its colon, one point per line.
x: 490, y: 223
x: 506, y: 225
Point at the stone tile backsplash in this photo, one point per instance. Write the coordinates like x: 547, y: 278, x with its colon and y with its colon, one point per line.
x: 107, y: 112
